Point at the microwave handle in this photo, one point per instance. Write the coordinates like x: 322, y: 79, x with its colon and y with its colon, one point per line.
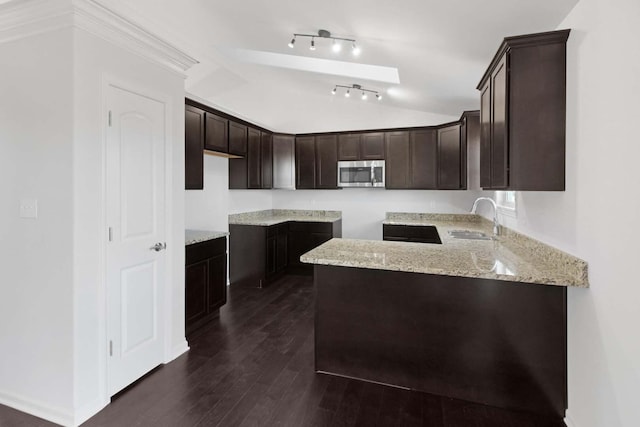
x: 373, y: 176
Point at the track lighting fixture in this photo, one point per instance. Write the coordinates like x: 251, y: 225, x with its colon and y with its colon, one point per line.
x: 336, y: 44
x: 355, y: 49
x: 364, y: 91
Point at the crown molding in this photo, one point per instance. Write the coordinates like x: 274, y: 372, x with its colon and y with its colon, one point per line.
x: 25, y: 18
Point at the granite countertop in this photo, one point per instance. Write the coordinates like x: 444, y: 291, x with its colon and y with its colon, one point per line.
x: 511, y: 256
x: 278, y: 216
x: 197, y: 236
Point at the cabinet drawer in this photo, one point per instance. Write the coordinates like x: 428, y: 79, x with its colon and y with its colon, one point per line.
x: 411, y: 233
x: 311, y: 227
x: 203, y: 250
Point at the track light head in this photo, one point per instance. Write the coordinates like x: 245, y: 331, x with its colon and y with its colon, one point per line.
x: 333, y: 92
x: 364, y: 95
x: 292, y: 42
x: 347, y: 93
x: 336, y: 46
x: 378, y: 97
x: 313, y: 45
x: 355, y: 49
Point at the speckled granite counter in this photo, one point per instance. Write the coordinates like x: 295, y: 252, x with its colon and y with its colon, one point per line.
x: 277, y: 216
x: 510, y: 257
x: 196, y: 236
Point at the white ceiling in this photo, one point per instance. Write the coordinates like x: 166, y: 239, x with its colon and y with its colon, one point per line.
x: 440, y: 49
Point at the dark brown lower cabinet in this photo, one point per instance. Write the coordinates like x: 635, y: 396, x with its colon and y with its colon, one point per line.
x: 492, y: 342
x: 259, y: 254
x: 304, y: 236
x: 205, y: 282
x: 277, y: 250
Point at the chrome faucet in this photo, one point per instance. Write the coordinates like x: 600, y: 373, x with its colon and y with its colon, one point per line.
x: 496, y: 226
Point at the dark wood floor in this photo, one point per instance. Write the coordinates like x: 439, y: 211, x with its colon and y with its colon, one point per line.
x: 254, y: 366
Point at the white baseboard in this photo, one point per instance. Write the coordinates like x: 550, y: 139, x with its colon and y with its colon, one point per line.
x: 85, y: 412
x: 37, y: 409
x: 178, y: 351
x: 568, y: 420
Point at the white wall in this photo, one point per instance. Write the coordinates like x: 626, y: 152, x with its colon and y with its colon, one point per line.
x: 363, y: 210
x: 96, y: 59
x: 208, y: 209
x: 36, y: 255
x: 596, y: 218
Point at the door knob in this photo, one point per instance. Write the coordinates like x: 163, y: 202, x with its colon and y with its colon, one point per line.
x: 158, y: 247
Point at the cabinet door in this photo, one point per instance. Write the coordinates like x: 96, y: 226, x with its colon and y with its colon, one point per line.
x: 424, y: 159
x: 327, y: 161
x: 284, y: 161
x: 372, y: 146
x: 266, y: 144
x: 217, y: 286
x: 196, y: 283
x: 281, y: 248
x: 193, y: 147
x: 216, y: 133
x: 449, y: 158
x: 237, y: 139
x: 254, y: 160
x: 305, y: 162
x: 238, y: 174
x: 349, y: 146
x: 272, y: 249
x: 485, y: 135
x: 499, y: 140
x: 397, y: 160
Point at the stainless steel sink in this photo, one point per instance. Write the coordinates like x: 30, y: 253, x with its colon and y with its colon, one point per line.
x: 469, y: 235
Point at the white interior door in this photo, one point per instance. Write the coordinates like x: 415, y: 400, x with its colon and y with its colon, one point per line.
x: 135, y: 189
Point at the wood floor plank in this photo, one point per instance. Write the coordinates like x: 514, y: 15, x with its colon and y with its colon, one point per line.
x: 254, y: 366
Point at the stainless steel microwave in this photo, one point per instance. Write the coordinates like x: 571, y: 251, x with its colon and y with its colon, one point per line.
x: 364, y: 173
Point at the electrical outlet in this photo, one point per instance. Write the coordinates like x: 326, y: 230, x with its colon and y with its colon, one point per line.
x: 29, y: 208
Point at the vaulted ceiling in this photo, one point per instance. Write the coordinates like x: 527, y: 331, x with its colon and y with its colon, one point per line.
x: 439, y: 48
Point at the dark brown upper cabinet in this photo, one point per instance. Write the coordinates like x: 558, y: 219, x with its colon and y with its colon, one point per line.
x: 266, y: 148
x: 372, y: 146
x: 254, y: 158
x: 424, y: 159
x: 306, y: 162
x: 398, y: 157
x: 361, y: 146
x: 255, y: 170
x: 349, y: 146
x: 317, y: 162
x: 194, y: 125
x: 522, y: 114
x: 237, y: 139
x: 327, y: 161
x: 216, y: 133
x: 449, y: 160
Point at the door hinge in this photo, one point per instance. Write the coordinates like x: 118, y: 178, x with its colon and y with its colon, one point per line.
x: 109, y: 118
x: 110, y: 348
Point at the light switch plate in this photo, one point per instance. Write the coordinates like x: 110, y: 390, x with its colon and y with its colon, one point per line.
x: 29, y: 208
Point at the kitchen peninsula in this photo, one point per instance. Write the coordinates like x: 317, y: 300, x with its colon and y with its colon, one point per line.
x: 479, y: 320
